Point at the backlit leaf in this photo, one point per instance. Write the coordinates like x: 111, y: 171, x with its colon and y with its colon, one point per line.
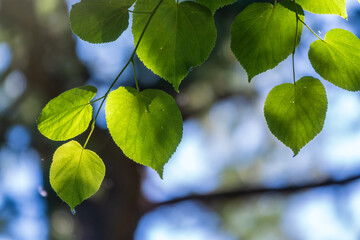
x: 179, y: 37
x: 146, y: 125
x: 337, y: 59
x: 263, y: 35
x: 295, y: 114
x: 75, y: 173
x: 337, y: 7
x: 100, y: 21
x: 67, y: 115
x: 213, y: 5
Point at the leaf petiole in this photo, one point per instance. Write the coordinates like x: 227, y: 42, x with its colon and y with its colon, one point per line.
x: 94, y: 101
x: 139, y: 12
x: 91, y: 131
x: 136, y: 82
x: 295, y: 41
x: 311, y: 30
x: 122, y: 71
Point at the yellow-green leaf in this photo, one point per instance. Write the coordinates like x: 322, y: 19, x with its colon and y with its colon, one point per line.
x: 67, y: 115
x: 146, y: 125
x: 295, y: 114
x: 76, y: 173
x: 337, y: 7
x: 337, y: 59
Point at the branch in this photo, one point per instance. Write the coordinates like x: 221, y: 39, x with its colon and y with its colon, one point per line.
x: 244, y: 193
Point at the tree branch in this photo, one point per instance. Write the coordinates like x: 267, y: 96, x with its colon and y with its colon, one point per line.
x: 247, y: 192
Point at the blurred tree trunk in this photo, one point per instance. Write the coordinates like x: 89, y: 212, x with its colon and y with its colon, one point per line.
x: 47, y: 58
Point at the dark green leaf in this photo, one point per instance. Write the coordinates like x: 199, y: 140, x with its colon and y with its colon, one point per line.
x: 178, y: 38
x: 213, y: 5
x: 100, y: 21
x: 263, y: 35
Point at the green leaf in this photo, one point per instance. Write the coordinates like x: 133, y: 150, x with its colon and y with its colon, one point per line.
x: 337, y: 59
x: 75, y: 173
x: 146, y: 125
x: 213, y: 5
x: 67, y: 115
x: 263, y: 35
x: 295, y: 114
x: 178, y: 37
x: 337, y: 7
x: 100, y: 21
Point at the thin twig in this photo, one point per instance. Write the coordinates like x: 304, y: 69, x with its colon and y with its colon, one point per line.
x: 248, y: 192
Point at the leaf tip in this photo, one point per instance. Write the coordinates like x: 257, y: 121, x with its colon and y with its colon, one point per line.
x: 160, y: 171
x: 176, y: 87
x: 250, y: 76
x: 295, y: 153
x: 89, y: 88
x: 72, y: 210
x: 295, y: 149
x: 344, y: 15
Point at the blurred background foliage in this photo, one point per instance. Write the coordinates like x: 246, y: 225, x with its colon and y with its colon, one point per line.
x: 226, y: 143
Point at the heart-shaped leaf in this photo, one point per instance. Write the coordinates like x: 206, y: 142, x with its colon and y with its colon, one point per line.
x: 67, y: 115
x: 337, y: 59
x: 337, y: 7
x: 100, y: 21
x: 179, y: 37
x: 213, y: 5
x: 146, y: 125
x: 76, y: 173
x: 262, y: 35
x: 295, y: 114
